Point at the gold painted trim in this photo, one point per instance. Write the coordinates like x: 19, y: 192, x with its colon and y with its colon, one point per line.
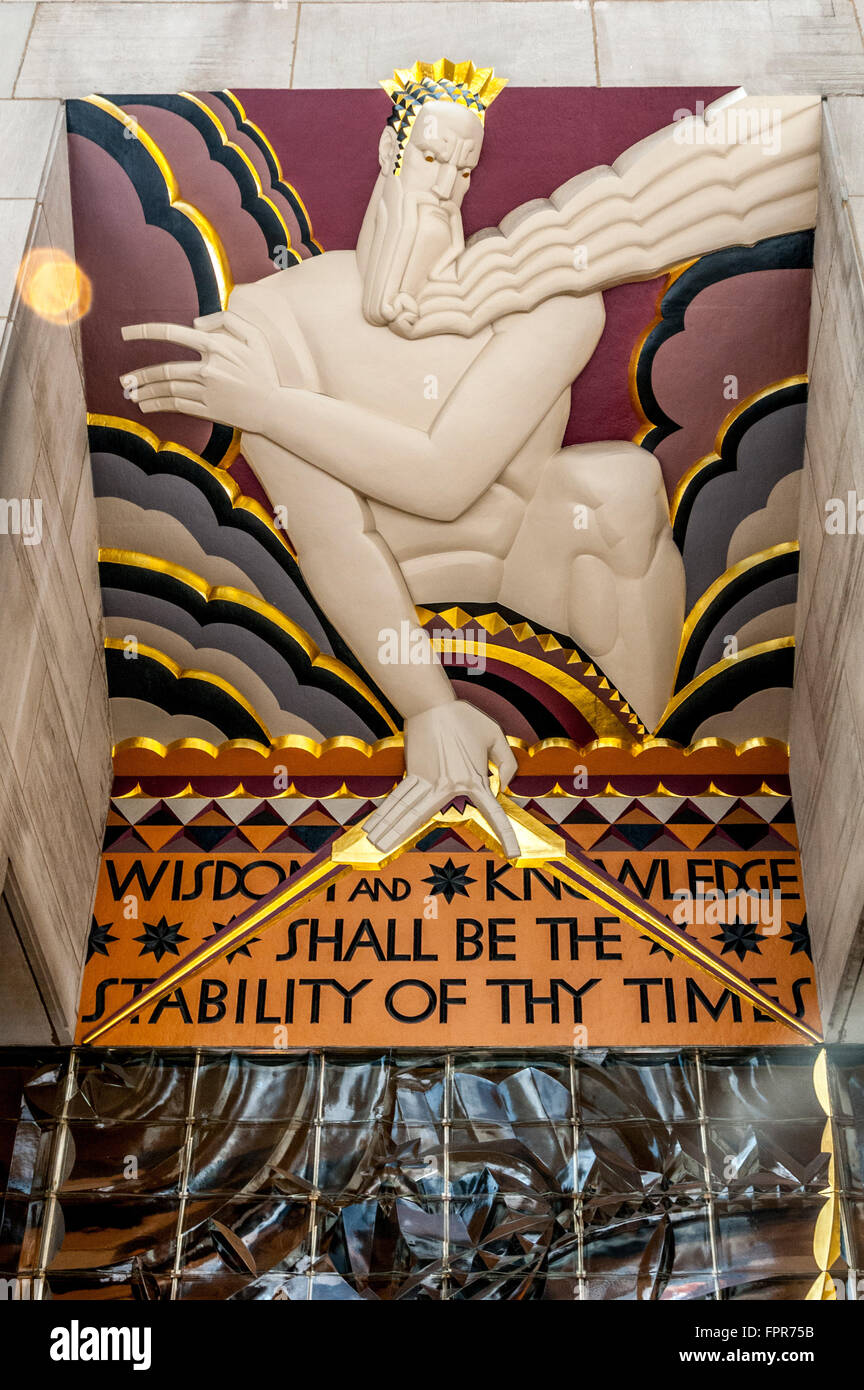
x: 247, y: 120
x: 722, y: 582
x: 746, y: 654
x: 227, y: 593
x: 215, y: 250
x: 523, y: 631
x: 302, y: 743
x: 192, y: 673
x: 734, y: 414
x: 229, y: 144
x: 827, y: 1242
x: 239, y: 500
x: 598, y: 715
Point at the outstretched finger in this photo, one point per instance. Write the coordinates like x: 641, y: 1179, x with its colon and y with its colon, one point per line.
x: 411, y: 818
x: 207, y: 322
x: 168, y: 333
x: 177, y: 404
x: 165, y: 371
x: 504, y: 759
x: 191, y: 390
x: 498, y: 819
x: 375, y: 817
x: 397, y: 803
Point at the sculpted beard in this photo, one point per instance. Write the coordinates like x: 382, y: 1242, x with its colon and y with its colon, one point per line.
x: 415, y: 235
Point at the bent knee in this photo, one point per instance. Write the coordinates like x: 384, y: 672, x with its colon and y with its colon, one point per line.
x: 600, y: 474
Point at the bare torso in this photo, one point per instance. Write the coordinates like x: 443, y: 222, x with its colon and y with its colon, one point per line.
x: 313, y: 319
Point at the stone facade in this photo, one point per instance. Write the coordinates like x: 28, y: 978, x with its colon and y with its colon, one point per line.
x: 54, y: 738
x: 55, y: 767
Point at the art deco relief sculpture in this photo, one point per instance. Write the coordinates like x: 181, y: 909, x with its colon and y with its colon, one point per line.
x: 399, y: 495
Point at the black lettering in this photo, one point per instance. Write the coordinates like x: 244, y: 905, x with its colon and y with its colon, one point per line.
x: 390, y: 1001
x: 211, y: 1005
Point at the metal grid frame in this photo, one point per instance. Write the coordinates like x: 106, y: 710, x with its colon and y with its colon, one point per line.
x: 43, y: 1226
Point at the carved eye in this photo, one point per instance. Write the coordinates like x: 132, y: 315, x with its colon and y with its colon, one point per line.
x: 466, y: 173
x: 430, y: 159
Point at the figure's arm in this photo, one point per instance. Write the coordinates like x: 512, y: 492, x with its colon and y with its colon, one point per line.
x: 508, y: 389
x: 500, y: 400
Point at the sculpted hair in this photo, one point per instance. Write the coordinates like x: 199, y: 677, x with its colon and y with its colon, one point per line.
x: 461, y: 83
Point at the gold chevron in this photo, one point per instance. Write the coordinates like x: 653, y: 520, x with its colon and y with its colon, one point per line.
x: 212, y: 241
x: 539, y: 845
x: 227, y: 593
x: 596, y: 714
x: 523, y: 631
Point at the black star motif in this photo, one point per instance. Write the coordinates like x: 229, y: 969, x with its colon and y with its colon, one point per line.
x: 799, y: 937
x: 238, y: 950
x: 739, y: 937
x: 449, y: 879
x: 97, y: 941
x: 655, y: 945
x: 161, y: 939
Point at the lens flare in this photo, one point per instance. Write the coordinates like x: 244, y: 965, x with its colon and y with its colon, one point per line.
x: 54, y: 286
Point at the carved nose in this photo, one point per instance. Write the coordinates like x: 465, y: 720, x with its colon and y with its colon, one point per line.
x: 443, y: 185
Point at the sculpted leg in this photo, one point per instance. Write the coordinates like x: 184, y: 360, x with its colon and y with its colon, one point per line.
x: 353, y: 575
x: 595, y: 558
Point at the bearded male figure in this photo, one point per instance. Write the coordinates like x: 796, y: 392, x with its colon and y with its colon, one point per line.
x: 399, y: 495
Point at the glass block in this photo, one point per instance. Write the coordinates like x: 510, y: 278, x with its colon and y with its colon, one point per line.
x: 268, y: 1159
x: 502, y: 1234
x: 767, y: 1236
x: 613, y: 1288
x: 499, y: 1088
x: 122, y: 1084
x: 849, y: 1138
x: 761, y: 1083
x: 353, y: 1159
x: 123, y: 1284
x: 526, y: 1158
x: 99, y: 1233
x: 522, y: 1288
x: 245, y: 1238
x: 767, y: 1156
x: 633, y: 1158
x: 30, y: 1081
x: 640, y: 1254
x: 394, y: 1238
x: 414, y: 1160
x: 20, y: 1227
x: 855, y: 1218
x: 778, y: 1290
x: 25, y: 1150
x: 257, y: 1086
x: 122, y: 1159
x: 846, y: 1071
x: 635, y: 1086
x: 383, y: 1085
